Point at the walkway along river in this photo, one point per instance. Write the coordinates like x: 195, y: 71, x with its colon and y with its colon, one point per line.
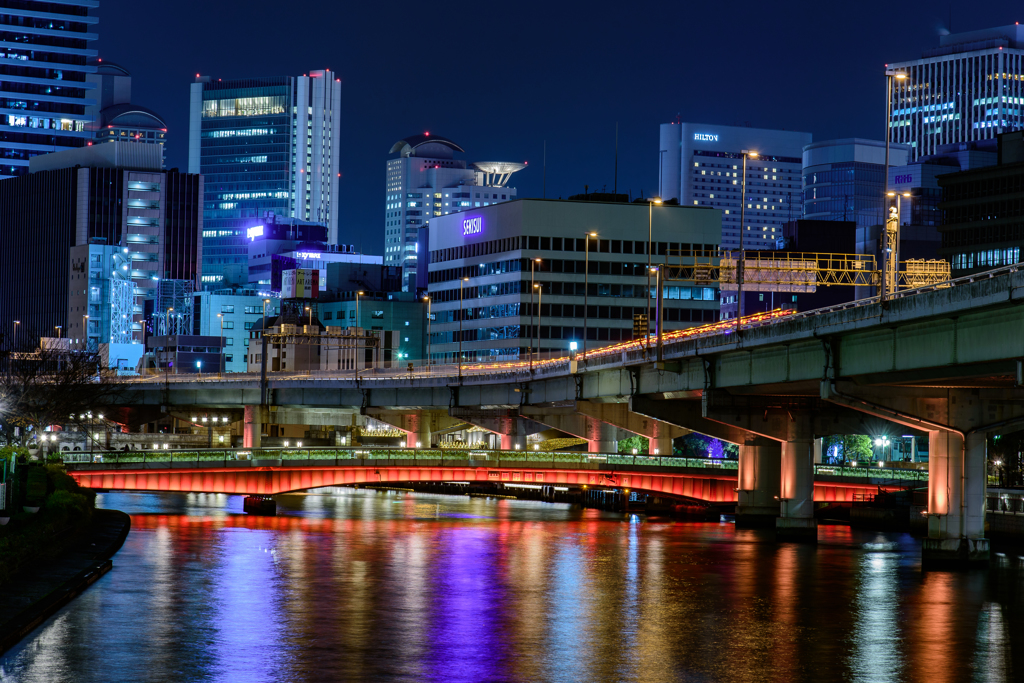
x: 372, y: 586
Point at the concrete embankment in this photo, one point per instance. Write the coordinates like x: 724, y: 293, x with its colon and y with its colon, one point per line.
x: 39, y: 591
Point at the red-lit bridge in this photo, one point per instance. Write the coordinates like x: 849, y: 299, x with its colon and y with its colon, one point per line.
x: 712, y: 481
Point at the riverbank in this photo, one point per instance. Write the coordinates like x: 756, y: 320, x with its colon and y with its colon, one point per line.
x: 39, y: 591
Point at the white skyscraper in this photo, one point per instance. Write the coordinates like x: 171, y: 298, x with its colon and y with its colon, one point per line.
x: 701, y: 165
x: 969, y: 88
x: 426, y: 180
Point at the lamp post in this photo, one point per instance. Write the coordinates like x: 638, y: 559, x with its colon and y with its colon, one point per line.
x: 890, y: 74
x: 586, y: 290
x: 739, y: 261
x: 462, y: 282
x: 58, y: 328
x: 221, y: 364
x: 532, y: 263
x: 657, y: 309
x: 310, y: 311
x: 650, y: 245
x: 540, y: 314
x: 85, y: 332
x: 427, y: 299
x: 891, y: 256
x: 16, y: 323
x: 167, y: 320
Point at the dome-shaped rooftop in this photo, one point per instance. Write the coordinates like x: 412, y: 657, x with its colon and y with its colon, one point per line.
x: 407, y: 146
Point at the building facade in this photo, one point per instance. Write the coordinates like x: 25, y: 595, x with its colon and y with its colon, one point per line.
x: 969, y: 88
x: 265, y: 146
x: 483, y: 301
x: 114, y: 117
x: 982, y: 222
x: 425, y: 181
x: 231, y: 315
x: 398, y: 312
x: 701, y: 164
x: 112, y: 195
x: 844, y: 180
x: 43, y: 79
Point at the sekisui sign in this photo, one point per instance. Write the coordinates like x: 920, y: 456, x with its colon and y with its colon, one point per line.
x: 472, y: 226
x: 705, y: 137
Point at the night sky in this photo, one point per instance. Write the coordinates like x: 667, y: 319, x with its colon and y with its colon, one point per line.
x: 500, y: 78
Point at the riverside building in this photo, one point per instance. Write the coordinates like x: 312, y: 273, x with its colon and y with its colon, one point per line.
x: 700, y: 165
x: 264, y: 146
x: 969, y: 88
x: 503, y: 317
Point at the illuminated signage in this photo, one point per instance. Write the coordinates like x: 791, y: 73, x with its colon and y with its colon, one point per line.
x: 254, y: 232
x: 472, y: 226
x: 705, y: 137
x: 307, y: 254
x: 903, y: 179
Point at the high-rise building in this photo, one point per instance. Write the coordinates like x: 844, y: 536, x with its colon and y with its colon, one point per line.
x: 113, y: 116
x: 700, y: 165
x: 844, y: 180
x: 43, y: 79
x: 969, y: 88
x: 92, y: 199
x: 426, y: 180
x: 264, y: 146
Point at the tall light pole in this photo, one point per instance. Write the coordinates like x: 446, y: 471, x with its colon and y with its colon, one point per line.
x: 167, y: 319
x: 891, y: 256
x: 85, y: 331
x: 540, y: 315
x: 586, y: 290
x: 58, y: 328
x: 462, y: 311
x: 650, y: 249
x: 657, y: 309
x: 309, y: 310
x: 221, y: 366
x: 427, y: 299
x: 358, y: 319
x: 887, y: 247
x: 16, y: 323
x: 739, y: 261
x: 532, y: 263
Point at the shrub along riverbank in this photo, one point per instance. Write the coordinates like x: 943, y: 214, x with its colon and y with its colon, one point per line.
x: 65, y: 511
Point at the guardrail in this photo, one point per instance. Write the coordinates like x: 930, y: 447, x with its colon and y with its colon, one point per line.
x: 261, y: 457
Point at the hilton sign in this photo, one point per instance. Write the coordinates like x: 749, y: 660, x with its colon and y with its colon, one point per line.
x: 472, y: 226
x: 705, y: 137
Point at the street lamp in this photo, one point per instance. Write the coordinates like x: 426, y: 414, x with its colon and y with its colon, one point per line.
x: 221, y: 364
x: 740, y: 261
x: 58, y: 328
x: 358, y: 319
x: 650, y: 245
x: 890, y: 74
x: 462, y: 311
x: 167, y: 320
x: 199, y: 367
x: 16, y: 323
x: 85, y: 330
x: 310, y: 311
x: 657, y: 308
x: 532, y: 263
x: 586, y: 290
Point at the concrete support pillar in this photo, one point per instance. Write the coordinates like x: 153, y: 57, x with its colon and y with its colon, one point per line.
x: 796, y: 492
x: 957, y: 483
x: 817, y: 451
x: 252, y: 434
x: 510, y: 441
x: 421, y: 436
x: 661, y: 445
x: 605, y: 439
x: 758, y: 483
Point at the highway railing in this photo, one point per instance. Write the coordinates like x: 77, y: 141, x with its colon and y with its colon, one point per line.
x: 398, y: 457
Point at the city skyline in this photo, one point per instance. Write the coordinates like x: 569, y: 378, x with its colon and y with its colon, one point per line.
x: 613, y: 72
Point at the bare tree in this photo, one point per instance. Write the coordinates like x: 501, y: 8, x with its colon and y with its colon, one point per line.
x: 52, y: 386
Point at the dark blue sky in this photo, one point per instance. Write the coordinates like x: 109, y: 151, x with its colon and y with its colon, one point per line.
x: 500, y: 78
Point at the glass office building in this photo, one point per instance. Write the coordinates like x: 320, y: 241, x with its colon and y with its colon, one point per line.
x: 45, y: 47
x: 265, y: 146
x: 844, y: 180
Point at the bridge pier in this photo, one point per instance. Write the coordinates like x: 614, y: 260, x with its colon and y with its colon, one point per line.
x: 602, y: 438
x: 757, y: 488
x: 252, y: 434
x: 510, y: 441
x: 796, y: 486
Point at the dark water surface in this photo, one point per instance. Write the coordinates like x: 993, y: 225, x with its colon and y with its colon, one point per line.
x: 364, y: 586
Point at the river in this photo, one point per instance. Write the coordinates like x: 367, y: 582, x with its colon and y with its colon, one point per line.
x: 366, y: 586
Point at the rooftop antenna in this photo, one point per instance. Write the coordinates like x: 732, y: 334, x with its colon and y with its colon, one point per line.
x: 544, y: 186
x: 615, y: 187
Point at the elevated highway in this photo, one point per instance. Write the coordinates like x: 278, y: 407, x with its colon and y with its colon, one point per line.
x: 945, y: 361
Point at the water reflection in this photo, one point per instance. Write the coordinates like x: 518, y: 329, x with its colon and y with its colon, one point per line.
x: 363, y: 586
